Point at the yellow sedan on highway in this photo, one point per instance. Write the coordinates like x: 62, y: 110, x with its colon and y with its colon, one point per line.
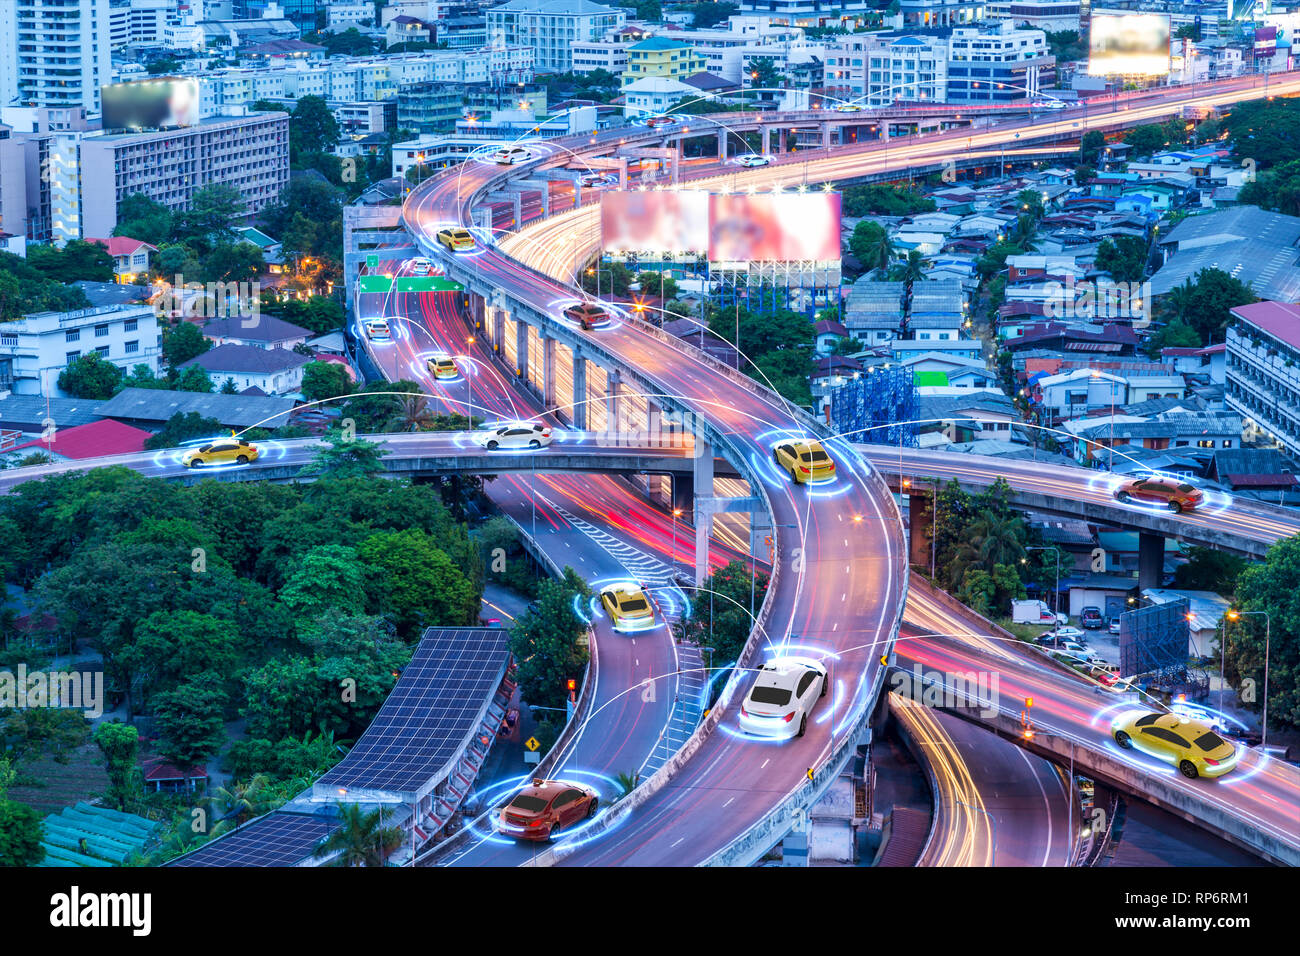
x: 805, y: 460
x: 457, y: 239
x: 628, y: 607
x: 223, y: 451
x: 442, y: 366
x: 1191, y: 746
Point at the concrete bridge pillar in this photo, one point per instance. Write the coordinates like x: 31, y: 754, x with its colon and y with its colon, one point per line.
x: 578, y: 414
x: 703, y: 478
x: 762, y: 544
x: 546, y: 199
x: 826, y: 135
x: 1151, y: 560
x: 622, y: 172
x: 767, y: 140
x: 780, y: 141
x: 517, y: 204
x: 920, y: 521
x: 521, y: 349
x: 613, y: 385
x: 674, y: 164
x: 722, y: 145
x: 498, y: 329
x: 548, y: 371
x: 577, y: 190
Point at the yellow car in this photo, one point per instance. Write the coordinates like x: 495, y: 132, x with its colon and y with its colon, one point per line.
x: 1191, y: 746
x: 222, y: 451
x: 442, y: 366
x: 456, y: 239
x: 628, y: 607
x: 806, y: 460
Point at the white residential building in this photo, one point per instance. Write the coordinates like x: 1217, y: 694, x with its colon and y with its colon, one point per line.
x: 54, y: 53
x: 879, y: 69
x: 1263, y: 371
x: 1049, y: 15
x: 654, y: 94
x: 344, y: 15
x: 808, y: 13
x: 551, y: 27
x: 36, y: 348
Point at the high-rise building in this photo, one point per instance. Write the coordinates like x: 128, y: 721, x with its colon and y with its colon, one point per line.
x: 551, y: 27
x: 54, y: 53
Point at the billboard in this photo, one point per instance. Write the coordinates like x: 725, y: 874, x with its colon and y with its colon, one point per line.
x: 1128, y: 44
x: 662, y: 222
x: 164, y: 103
x: 774, y: 227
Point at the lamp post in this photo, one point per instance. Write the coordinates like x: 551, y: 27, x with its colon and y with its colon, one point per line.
x: 677, y: 513
x: 1056, y: 595
x: 1268, y: 627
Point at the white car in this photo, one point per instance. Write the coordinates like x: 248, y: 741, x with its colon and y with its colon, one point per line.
x: 421, y: 267
x: 377, y: 330
x: 782, y: 697
x: 753, y: 160
x: 1048, y: 104
x: 1073, y: 633
x: 517, y: 435
x: 509, y: 155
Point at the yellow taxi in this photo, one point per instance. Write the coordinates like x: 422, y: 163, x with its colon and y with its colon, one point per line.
x: 442, y: 366
x: 628, y: 607
x: 456, y: 239
x: 805, y: 460
x: 222, y: 451
x: 1191, y: 746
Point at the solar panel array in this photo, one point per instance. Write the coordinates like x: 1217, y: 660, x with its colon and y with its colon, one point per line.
x: 277, y: 839
x: 425, y: 720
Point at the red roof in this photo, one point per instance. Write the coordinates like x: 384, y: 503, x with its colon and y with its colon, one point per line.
x: 1279, y: 319
x: 123, y: 246
x: 104, y: 437
x: 165, y: 771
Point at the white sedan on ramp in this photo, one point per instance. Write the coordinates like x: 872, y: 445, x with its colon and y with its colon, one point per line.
x: 784, y: 695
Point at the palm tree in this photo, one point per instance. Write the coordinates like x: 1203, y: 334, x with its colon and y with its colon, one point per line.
x: 362, y: 840
x: 240, y: 801
x: 412, y: 414
x: 998, y: 539
x: 627, y: 782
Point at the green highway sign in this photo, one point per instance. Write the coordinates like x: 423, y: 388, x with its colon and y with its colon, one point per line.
x: 428, y: 284
x: 372, y: 261
x: 374, y: 284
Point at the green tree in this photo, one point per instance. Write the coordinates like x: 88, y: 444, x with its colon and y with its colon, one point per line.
x: 1125, y: 258
x: 346, y: 458
x: 362, y: 838
x: 330, y: 578
x: 142, y: 376
x: 189, y: 719
x: 324, y: 380
x: 312, y: 127
x: 78, y: 260
x: 1266, y: 131
x: 181, y: 428
x: 184, y: 342
x: 417, y: 582
x: 1208, y: 569
x: 871, y: 246
x: 544, y: 640
x: 211, y: 216
x: 720, y: 611
x: 120, y: 743
x: 228, y: 387
x: 140, y: 217
x: 1206, y: 303
x: 1269, y: 587
x: 90, y: 376
x: 21, y: 833
x: 884, y: 200
x: 193, y: 378
x: 233, y: 262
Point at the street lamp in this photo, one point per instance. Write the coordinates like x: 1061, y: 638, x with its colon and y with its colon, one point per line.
x: 1056, y: 595
x: 1234, y: 615
x: 677, y: 513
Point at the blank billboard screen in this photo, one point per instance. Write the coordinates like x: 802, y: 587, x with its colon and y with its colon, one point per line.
x: 663, y: 222
x: 1128, y: 44
x: 164, y: 103
x: 774, y: 227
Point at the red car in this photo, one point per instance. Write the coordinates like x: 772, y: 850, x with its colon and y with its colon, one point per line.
x: 542, y: 811
x: 1175, y: 495
x: 587, y: 315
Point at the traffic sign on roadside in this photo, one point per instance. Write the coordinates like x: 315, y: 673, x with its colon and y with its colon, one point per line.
x: 372, y: 261
x: 532, y: 743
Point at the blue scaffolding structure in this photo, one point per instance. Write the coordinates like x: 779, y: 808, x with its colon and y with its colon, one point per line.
x: 880, y: 406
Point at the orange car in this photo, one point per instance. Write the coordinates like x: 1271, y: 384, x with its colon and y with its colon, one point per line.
x: 1175, y: 495
x: 541, y: 811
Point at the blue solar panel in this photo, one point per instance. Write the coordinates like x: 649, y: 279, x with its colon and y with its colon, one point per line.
x: 277, y: 839
x: 424, y: 722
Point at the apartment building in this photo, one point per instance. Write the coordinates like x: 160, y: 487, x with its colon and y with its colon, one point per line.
x: 92, y: 174
x: 808, y: 13
x: 877, y: 69
x: 140, y: 22
x: 662, y: 57
x: 998, y: 64
x: 1263, y: 371
x: 37, y: 347
x: 1049, y: 15
x: 54, y: 53
x: 940, y: 13
x: 551, y: 27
